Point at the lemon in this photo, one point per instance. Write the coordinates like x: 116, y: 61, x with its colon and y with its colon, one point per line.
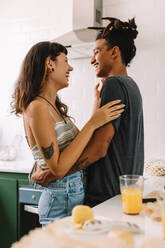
x: 82, y: 213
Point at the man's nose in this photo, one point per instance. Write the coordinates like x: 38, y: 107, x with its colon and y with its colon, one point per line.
x: 92, y: 60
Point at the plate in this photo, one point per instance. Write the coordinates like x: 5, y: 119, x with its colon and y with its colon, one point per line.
x: 105, y: 227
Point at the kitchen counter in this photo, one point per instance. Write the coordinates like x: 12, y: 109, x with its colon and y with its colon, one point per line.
x: 63, y: 233
x: 112, y: 209
x: 17, y: 166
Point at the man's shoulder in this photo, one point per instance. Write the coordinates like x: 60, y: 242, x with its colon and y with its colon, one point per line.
x: 112, y: 79
x: 118, y: 78
x: 113, y: 82
x: 119, y: 82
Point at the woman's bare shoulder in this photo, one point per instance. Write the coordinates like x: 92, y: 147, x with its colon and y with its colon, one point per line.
x: 36, y: 107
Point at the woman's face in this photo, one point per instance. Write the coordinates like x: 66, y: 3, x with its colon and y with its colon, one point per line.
x: 61, y: 71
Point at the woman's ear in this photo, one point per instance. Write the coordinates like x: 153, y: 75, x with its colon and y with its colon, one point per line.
x: 48, y: 61
x: 50, y: 64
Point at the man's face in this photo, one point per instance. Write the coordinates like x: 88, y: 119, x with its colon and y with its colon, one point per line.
x: 102, y: 59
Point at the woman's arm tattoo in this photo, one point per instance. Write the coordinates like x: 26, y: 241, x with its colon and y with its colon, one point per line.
x: 48, y: 151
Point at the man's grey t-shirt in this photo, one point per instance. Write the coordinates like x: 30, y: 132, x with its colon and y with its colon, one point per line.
x: 126, y: 151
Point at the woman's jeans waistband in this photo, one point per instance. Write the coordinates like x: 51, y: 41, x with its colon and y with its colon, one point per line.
x: 59, y: 197
x: 67, y: 181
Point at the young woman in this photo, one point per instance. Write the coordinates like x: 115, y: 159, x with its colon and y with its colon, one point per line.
x: 53, y: 139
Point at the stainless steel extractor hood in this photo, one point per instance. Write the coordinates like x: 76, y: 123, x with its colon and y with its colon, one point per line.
x: 79, y: 39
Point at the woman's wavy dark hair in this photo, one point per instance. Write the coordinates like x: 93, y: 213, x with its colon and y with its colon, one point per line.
x: 121, y: 34
x: 33, y: 72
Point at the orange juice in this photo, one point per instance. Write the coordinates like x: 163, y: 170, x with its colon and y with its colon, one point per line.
x: 131, y: 200
x: 163, y: 225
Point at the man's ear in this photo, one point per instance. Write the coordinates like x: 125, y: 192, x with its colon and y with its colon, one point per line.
x: 115, y: 51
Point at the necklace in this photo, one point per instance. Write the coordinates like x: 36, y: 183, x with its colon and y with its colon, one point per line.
x: 52, y: 107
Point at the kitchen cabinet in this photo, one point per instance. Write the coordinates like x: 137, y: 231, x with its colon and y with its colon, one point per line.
x: 14, y: 221
x: 28, y: 202
x: 8, y: 211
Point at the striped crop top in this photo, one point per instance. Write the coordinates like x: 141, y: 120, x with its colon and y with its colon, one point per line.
x: 65, y: 133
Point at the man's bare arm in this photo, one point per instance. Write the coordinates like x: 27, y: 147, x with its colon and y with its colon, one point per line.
x: 96, y: 148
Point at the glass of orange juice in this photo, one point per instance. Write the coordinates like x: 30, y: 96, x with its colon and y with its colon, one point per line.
x: 163, y: 223
x: 131, y: 187
x: 162, y: 205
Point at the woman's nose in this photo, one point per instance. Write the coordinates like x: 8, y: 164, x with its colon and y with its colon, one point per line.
x: 70, y: 68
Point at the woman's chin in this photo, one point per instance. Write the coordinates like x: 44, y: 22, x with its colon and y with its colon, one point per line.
x: 66, y: 84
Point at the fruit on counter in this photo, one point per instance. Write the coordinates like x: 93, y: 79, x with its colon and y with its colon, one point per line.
x: 152, y: 210
x: 82, y: 213
x: 122, y: 234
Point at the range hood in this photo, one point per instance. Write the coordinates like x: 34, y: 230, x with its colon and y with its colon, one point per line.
x: 79, y: 39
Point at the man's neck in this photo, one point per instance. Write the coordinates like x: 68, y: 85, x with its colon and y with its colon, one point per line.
x: 118, y: 71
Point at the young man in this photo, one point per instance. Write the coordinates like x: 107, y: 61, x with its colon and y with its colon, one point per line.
x: 119, y: 146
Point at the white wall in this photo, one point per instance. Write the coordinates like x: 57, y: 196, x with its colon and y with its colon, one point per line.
x: 148, y: 65
x: 24, y: 23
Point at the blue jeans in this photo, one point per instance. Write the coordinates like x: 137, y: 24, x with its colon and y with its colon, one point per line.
x: 60, y: 197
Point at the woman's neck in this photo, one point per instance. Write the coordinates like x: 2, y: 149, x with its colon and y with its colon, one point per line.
x: 49, y: 93
x: 50, y: 98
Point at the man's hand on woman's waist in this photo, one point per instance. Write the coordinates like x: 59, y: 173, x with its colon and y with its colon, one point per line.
x: 43, y: 176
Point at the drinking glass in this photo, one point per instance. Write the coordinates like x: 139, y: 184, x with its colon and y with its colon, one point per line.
x: 131, y: 187
x: 162, y: 209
